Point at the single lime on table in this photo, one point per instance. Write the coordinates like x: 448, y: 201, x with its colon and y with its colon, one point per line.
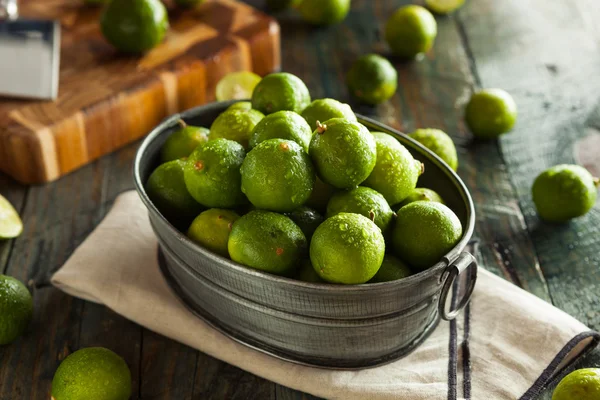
x: 443, y: 7
x: 277, y: 175
x: 11, y: 225
x: 421, y: 194
x: 241, y: 105
x: 564, y: 192
x: 306, y: 273
x: 280, y: 91
x: 235, y: 124
x: 324, y: 12
x: 424, y: 232
x: 347, y: 248
x: 320, y: 195
x: 582, y: 384
x: 396, y: 172
x: 364, y: 201
x: 440, y: 143
x: 182, y: 142
x: 343, y: 152
x: 410, y: 31
x: 267, y: 241
x: 372, y: 79
x: 391, y: 269
x: 16, y: 309
x: 237, y: 86
x: 93, y: 373
x: 490, y: 113
x: 211, y: 229
x: 134, y: 26
x: 283, y: 125
x: 322, y: 110
x: 307, y: 219
x: 212, y: 174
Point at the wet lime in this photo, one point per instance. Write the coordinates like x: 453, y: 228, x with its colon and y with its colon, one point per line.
x: 242, y: 105
x: 16, y: 309
x: 440, y: 143
x: 443, y: 7
x: 364, y: 201
x: 324, y: 12
x: 307, y: 219
x: 211, y: 229
x: 236, y: 124
x: 236, y: 86
x: 283, y: 125
x: 11, y: 225
x: 324, y: 109
x: 582, y: 384
x: 307, y: 273
x: 280, y: 91
x: 490, y: 113
x: 391, y: 269
x: 410, y: 31
x: 372, y: 79
x: 421, y: 194
x: 182, y: 142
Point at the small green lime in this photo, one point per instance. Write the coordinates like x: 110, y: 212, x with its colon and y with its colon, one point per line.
x: 490, y: 113
x: 410, y: 31
x: 343, y: 152
x: 443, y: 7
x: 283, y: 125
x: 324, y: 109
x: 167, y: 190
x: 324, y: 12
x: 424, y: 232
x: 440, y: 143
x: 372, y: 79
x: 280, y: 91
x: 320, y: 195
x: 241, y: 105
x: 364, y: 201
x: 347, y: 248
x: 277, y: 175
x: 396, y: 172
x: 134, y: 26
x: 582, y: 384
x: 188, y: 3
x: 267, y: 241
x: 16, y: 309
x: 236, y: 124
x: 182, y: 142
x: 307, y: 219
x: 93, y: 373
x: 236, y: 86
x: 307, y: 273
x: 211, y: 229
x: 280, y: 5
x: 421, y: 194
x: 212, y: 174
x: 564, y: 192
x: 391, y: 269
x: 11, y: 225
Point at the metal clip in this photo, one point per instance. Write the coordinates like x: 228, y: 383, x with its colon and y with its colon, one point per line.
x: 465, y: 261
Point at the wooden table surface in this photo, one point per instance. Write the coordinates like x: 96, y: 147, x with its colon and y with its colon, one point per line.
x: 545, y: 53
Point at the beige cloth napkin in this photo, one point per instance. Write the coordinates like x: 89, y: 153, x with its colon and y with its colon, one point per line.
x: 508, y: 344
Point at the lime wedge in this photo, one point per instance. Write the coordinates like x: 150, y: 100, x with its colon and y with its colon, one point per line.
x: 237, y: 86
x: 10, y: 223
x: 443, y: 6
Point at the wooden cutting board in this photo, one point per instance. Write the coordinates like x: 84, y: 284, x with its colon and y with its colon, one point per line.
x: 107, y: 99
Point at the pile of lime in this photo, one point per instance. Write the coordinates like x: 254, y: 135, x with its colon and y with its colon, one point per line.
x: 298, y: 187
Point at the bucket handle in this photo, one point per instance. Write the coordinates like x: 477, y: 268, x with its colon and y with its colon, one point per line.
x: 464, y: 262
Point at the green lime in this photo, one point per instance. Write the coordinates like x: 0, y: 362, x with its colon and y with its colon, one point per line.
x: 582, y: 384
x: 322, y: 110
x: 236, y: 124
x: 237, y: 86
x: 344, y: 152
x: 240, y: 105
x: 211, y: 229
x: 267, y: 241
x: 182, y: 142
x: 307, y: 273
x: 167, y: 190
x: 307, y: 219
x: 277, y: 175
x: 421, y: 194
x: 134, y: 26
x: 564, y: 192
x: 490, y: 113
x: 347, y: 248
x: 93, y: 373
x: 212, y: 174
x: 280, y: 5
x: 443, y: 7
x: 410, y: 31
x: 283, y: 125
x: 11, y: 225
x: 425, y: 231
x: 440, y: 143
x: 364, y: 201
x: 372, y: 79
x: 16, y: 309
x: 188, y: 3
x: 280, y: 91
x: 391, y: 269
x: 396, y: 171
x: 324, y: 12
x: 320, y: 195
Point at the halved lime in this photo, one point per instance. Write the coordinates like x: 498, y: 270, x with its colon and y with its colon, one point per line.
x: 237, y: 86
x: 443, y: 6
x: 11, y: 225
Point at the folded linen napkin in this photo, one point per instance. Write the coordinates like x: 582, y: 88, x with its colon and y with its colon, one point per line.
x: 507, y: 343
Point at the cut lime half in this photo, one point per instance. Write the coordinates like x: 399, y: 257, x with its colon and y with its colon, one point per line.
x: 237, y: 86
x: 443, y: 6
x: 10, y: 223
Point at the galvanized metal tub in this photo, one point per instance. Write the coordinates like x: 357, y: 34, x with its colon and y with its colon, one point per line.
x: 322, y: 325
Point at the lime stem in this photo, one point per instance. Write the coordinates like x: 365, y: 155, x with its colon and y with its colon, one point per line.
x: 422, y: 169
x: 321, y: 128
x: 596, y: 181
x: 372, y: 215
x: 182, y: 123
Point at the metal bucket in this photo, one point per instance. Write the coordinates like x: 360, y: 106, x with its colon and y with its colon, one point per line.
x: 323, y: 325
